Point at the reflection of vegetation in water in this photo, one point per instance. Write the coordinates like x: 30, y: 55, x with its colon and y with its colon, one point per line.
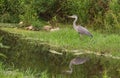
x: 2, y: 46
x: 15, y: 73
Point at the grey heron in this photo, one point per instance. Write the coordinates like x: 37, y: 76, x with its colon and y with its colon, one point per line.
x: 81, y: 30
x: 76, y: 61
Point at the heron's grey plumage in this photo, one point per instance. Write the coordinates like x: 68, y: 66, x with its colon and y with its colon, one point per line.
x: 80, y: 29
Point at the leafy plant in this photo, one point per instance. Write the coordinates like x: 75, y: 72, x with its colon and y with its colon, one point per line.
x: 10, y: 10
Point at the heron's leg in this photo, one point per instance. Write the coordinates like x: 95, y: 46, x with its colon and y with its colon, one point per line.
x: 80, y: 36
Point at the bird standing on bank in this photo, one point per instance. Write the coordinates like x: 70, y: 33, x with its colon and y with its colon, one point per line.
x: 81, y: 30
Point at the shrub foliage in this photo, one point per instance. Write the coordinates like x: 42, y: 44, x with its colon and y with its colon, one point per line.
x: 99, y: 14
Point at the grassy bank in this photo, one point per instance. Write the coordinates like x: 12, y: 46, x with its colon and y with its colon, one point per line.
x: 69, y: 39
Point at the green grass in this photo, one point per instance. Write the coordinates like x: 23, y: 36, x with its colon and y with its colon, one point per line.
x: 69, y: 39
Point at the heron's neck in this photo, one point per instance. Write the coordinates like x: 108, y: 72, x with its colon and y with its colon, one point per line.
x: 74, y: 23
x: 70, y: 66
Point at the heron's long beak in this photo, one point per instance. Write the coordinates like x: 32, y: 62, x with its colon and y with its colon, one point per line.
x: 69, y: 16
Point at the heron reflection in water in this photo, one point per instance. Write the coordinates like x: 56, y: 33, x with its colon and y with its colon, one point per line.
x: 76, y: 61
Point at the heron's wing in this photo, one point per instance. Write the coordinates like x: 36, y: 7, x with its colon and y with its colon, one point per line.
x: 82, y: 27
x: 83, y: 30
